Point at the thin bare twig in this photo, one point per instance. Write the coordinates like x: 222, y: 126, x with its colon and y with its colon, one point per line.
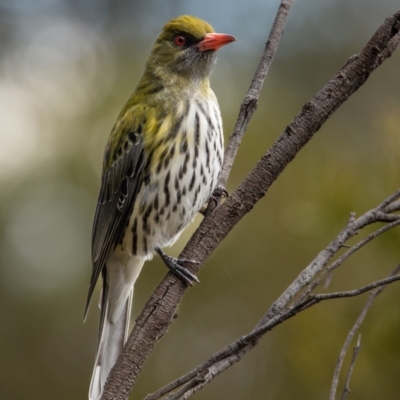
x: 395, y: 206
x: 222, y: 360
x: 316, y: 298
x: 352, y: 228
x: 353, y: 330
x: 388, y: 206
x: 359, y: 245
x: 239, y: 348
x: 356, y: 350
x: 249, y: 104
x: 354, y: 225
x: 252, y: 338
x: 390, y: 202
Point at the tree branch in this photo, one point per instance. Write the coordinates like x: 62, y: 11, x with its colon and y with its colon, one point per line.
x: 352, y: 227
x: 279, y: 311
x: 249, y: 104
x: 369, y: 217
x: 357, y: 247
x: 161, y: 307
x: 353, y: 331
x: 356, y: 350
x: 219, y: 362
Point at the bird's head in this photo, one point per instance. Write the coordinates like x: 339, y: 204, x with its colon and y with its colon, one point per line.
x: 186, y: 47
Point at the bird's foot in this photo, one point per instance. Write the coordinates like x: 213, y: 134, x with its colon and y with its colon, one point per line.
x: 174, y: 264
x: 218, y: 193
x: 215, y: 198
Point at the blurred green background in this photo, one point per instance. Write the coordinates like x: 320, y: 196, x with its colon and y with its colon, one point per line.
x: 66, y: 69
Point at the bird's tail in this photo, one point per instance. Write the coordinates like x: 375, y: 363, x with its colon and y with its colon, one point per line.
x: 112, y: 338
x: 119, y: 278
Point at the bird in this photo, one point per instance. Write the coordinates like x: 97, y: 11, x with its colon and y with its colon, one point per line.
x: 161, y: 165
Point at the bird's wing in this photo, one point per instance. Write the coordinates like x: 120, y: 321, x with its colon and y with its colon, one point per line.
x: 124, y: 160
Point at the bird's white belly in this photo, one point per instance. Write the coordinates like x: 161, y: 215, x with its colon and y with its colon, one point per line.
x: 177, y: 188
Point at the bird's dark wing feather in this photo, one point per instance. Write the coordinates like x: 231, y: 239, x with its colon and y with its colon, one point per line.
x: 119, y: 185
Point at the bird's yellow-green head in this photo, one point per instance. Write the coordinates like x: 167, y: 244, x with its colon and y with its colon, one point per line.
x: 179, y: 64
x: 186, y: 47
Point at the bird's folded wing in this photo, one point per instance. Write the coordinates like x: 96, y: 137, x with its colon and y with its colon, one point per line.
x: 122, y: 173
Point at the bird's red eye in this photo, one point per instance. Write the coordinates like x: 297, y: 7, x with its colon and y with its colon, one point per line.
x: 179, y: 40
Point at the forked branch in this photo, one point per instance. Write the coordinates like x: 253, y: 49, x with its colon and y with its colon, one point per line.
x: 283, y: 308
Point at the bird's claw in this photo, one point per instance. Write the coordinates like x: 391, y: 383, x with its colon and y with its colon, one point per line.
x: 215, y: 198
x: 220, y: 191
x: 217, y: 194
x: 174, y: 264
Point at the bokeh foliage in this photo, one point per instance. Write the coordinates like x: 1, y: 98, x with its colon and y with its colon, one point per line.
x: 66, y: 69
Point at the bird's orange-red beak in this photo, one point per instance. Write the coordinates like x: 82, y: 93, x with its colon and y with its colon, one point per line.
x: 213, y: 41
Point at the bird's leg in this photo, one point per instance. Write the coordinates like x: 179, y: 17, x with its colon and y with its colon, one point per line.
x: 215, y: 197
x: 174, y: 264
